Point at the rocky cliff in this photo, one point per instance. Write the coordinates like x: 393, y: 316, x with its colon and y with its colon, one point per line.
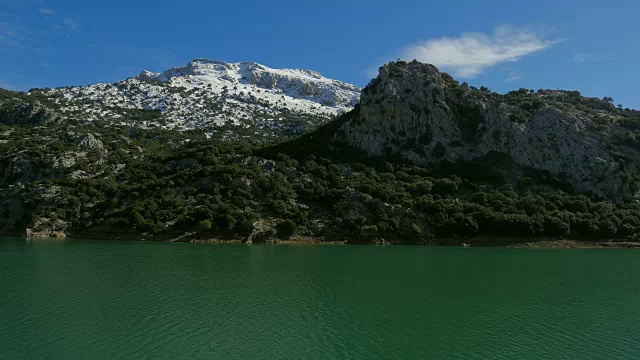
x: 417, y: 113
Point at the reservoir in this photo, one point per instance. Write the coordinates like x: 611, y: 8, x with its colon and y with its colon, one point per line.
x: 77, y: 299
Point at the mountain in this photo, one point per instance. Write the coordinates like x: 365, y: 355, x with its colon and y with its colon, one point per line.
x: 422, y: 159
x: 208, y: 95
x: 414, y: 112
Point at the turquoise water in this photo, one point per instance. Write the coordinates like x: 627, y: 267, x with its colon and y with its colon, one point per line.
x: 75, y: 299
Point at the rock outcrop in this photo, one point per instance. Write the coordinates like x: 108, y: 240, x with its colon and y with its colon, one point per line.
x: 91, y: 143
x: 47, y: 228
x: 417, y: 113
x: 261, y: 233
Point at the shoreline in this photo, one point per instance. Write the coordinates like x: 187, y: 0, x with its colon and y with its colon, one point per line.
x: 480, y: 241
x: 574, y: 244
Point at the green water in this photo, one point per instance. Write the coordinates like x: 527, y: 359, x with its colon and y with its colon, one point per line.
x: 125, y: 300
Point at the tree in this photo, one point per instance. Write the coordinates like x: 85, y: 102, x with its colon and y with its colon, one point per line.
x: 205, y: 225
x: 286, y: 229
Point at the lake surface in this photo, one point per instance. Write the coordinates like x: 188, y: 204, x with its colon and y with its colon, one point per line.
x: 71, y: 299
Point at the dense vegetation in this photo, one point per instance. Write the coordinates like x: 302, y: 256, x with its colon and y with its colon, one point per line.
x: 159, y: 184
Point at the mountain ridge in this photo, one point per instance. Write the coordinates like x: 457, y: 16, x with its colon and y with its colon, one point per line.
x: 209, y: 95
x: 297, y: 83
x: 422, y: 159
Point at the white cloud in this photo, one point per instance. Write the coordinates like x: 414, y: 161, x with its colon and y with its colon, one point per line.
x: 471, y: 54
x: 45, y: 11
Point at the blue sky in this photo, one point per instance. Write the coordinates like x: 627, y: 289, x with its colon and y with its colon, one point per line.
x: 585, y: 45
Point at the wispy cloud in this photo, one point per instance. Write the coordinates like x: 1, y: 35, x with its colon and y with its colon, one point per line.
x: 581, y: 57
x: 471, y: 54
x: 512, y: 78
x: 71, y: 24
x: 11, y: 34
x: 46, y: 11
x: 371, y: 72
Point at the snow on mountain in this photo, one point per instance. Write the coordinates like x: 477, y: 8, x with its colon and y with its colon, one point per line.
x: 208, y: 94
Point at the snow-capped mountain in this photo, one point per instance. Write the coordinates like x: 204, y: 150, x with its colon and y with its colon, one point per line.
x: 207, y: 94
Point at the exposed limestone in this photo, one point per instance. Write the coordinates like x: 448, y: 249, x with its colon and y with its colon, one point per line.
x: 414, y: 111
x: 298, y: 83
x: 261, y: 233
x: 65, y: 162
x: 90, y: 142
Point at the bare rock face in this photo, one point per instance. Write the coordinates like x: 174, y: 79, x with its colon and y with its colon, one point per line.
x: 415, y: 112
x: 90, y: 142
x: 250, y: 76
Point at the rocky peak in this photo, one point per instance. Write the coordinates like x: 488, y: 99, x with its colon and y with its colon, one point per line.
x: 417, y: 113
x: 297, y: 83
x: 212, y: 95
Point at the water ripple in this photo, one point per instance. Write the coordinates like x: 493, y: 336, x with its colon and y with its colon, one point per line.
x: 121, y: 300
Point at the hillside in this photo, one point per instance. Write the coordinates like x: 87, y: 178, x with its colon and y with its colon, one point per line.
x: 414, y: 112
x: 422, y: 160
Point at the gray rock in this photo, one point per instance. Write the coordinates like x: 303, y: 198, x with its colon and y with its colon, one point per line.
x: 90, y: 142
x: 414, y: 111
